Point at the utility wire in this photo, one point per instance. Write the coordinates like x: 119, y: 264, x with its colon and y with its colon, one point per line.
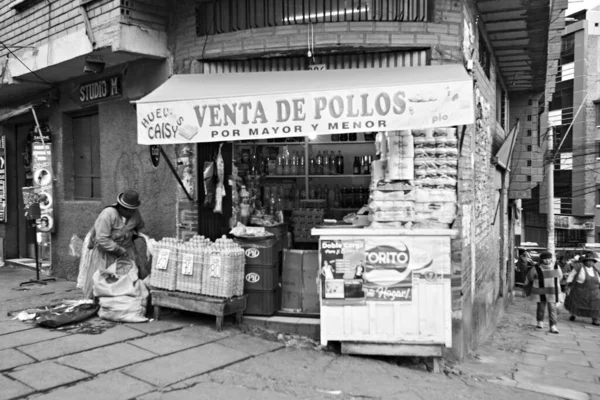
x: 25, y: 65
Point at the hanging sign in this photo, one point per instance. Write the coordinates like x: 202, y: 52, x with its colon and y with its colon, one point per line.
x: 306, y: 113
x: 154, y: 155
x: 101, y: 89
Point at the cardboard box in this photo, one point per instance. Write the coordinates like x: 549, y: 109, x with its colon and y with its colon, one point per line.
x: 291, y: 276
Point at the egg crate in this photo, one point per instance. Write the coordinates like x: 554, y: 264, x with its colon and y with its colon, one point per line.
x: 223, y: 275
x: 164, y: 269
x: 189, y: 272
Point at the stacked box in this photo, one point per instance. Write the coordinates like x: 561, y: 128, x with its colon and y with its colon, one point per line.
x: 304, y: 220
x: 261, y: 278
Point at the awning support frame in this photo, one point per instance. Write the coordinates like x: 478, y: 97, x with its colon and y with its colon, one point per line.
x: 190, y: 198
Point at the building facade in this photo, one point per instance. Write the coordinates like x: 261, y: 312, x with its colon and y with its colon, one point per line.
x: 145, y: 42
x: 568, y: 111
x: 45, y: 48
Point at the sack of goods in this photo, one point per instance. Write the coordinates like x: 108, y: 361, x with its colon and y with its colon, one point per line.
x: 121, y: 294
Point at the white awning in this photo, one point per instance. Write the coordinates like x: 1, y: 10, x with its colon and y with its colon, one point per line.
x: 262, y: 105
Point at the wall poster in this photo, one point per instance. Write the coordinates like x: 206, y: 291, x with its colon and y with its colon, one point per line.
x: 3, y: 179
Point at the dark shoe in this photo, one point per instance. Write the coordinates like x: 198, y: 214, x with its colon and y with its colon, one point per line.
x: 572, y: 318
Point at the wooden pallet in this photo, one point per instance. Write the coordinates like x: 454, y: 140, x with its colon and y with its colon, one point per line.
x: 200, y: 304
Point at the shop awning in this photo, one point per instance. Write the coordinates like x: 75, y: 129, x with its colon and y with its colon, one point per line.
x: 264, y: 105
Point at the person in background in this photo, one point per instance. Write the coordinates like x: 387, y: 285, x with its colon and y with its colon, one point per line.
x: 523, y: 264
x: 566, y: 268
x: 544, y: 279
x: 114, y: 231
x: 583, y: 299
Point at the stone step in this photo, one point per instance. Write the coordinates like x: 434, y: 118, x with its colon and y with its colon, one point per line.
x: 308, y: 327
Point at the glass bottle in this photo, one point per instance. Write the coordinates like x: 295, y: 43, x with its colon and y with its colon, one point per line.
x: 335, y: 137
x: 319, y: 163
x: 326, y: 163
x: 366, y: 167
x: 332, y: 166
x: 339, y: 163
x: 294, y: 167
x: 312, y: 166
x: 336, y: 197
x: 343, y: 137
x: 344, y: 197
x: 352, y: 136
x: 301, y: 165
x: 356, y: 166
x: 279, y: 169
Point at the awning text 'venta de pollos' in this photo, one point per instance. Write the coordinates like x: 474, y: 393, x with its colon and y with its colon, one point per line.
x: 264, y: 105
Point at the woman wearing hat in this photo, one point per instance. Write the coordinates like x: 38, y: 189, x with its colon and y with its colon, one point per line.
x: 114, y: 232
x: 583, y: 299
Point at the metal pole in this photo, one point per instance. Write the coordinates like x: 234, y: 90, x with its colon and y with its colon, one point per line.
x: 550, y: 177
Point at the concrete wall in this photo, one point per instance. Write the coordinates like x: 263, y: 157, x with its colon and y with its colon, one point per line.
x: 124, y: 164
x: 49, y: 33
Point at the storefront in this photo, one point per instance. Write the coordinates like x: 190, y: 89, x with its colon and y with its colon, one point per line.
x: 360, y: 169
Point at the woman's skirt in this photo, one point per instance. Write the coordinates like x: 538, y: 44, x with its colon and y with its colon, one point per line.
x: 583, y: 301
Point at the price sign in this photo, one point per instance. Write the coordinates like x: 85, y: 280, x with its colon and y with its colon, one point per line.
x: 215, y: 266
x: 163, y: 259
x: 187, y: 267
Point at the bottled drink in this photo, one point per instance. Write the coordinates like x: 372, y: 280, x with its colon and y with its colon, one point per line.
x: 326, y: 169
x: 339, y: 163
x: 319, y: 163
x: 312, y: 167
x: 366, y: 167
x: 294, y: 166
x: 335, y: 137
x: 356, y: 166
x: 287, y: 168
x: 332, y: 166
x: 279, y: 169
x: 343, y: 137
x: 301, y: 165
x: 336, y: 197
x: 352, y: 137
x: 344, y: 197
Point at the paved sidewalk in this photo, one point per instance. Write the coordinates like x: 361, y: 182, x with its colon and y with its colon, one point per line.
x: 518, y: 355
x: 184, y: 357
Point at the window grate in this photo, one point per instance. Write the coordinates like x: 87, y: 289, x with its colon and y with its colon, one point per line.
x: 223, y: 16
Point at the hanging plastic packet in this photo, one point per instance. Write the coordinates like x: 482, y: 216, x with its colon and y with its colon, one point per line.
x: 209, y: 184
x: 220, y: 192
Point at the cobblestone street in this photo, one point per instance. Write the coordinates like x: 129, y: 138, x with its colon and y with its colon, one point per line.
x: 183, y: 356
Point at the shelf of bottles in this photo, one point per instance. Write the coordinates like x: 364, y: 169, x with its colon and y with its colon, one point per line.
x: 294, y: 169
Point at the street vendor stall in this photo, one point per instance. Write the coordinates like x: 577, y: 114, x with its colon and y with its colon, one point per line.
x: 355, y: 173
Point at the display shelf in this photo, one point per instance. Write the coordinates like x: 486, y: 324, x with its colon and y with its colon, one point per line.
x: 316, y: 176
x: 283, y: 176
x: 340, y: 176
x: 302, y: 143
x: 330, y: 143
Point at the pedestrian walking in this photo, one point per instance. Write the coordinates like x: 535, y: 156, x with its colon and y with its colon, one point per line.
x: 583, y: 290
x: 543, y: 280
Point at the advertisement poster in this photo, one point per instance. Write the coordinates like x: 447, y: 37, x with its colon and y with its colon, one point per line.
x: 381, y: 268
x: 41, y: 165
x: 3, y: 179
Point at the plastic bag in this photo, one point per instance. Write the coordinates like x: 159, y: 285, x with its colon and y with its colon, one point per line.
x: 117, y: 280
x: 125, y: 308
x: 55, y: 318
x: 122, y: 296
x: 75, y: 246
x: 209, y: 184
x: 86, y: 272
x: 220, y: 192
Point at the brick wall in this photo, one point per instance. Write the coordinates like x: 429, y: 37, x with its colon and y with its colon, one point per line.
x: 45, y: 21
x: 440, y: 35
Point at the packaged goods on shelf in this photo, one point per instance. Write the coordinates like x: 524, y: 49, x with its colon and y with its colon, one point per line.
x: 435, y: 195
x: 400, y: 156
x: 440, y: 212
x: 380, y: 195
x: 390, y: 205
x: 403, y: 215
